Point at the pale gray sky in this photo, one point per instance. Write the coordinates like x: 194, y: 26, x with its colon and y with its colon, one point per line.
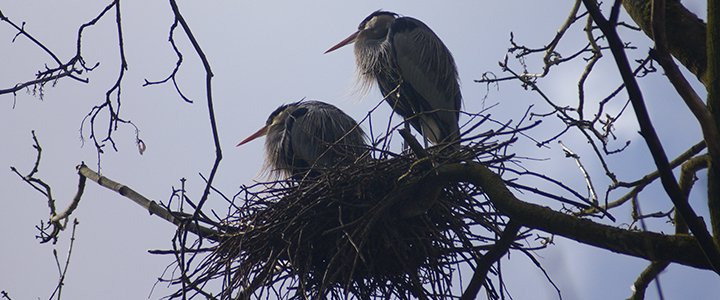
x: 263, y: 54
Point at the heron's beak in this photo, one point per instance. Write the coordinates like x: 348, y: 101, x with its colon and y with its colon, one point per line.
x: 259, y: 133
x: 346, y: 41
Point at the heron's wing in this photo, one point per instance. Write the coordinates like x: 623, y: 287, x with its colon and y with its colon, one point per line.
x: 427, y: 66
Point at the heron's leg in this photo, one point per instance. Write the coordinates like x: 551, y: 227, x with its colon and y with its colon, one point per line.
x: 422, y: 132
x: 405, y: 146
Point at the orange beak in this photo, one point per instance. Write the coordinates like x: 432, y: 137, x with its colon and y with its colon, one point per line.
x: 344, y: 42
x: 259, y: 133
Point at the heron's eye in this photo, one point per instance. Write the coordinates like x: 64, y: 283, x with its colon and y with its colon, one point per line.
x: 276, y: 120
x: 371, y: 23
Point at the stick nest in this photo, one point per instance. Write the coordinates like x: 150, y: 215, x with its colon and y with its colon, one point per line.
x: 384, y: 227
x: 372, y: 229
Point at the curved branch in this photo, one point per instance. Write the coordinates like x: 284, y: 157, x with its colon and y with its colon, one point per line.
x: 211, y: 110
x: 682, y: 249
x: 646, y: 277
x: 492, y: 256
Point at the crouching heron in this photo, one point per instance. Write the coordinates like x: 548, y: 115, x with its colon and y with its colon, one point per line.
x: 305, y: 137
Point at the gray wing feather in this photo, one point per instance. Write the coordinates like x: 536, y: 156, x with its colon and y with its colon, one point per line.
x: 427, y: 65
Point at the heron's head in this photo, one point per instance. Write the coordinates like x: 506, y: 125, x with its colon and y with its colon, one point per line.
x: 275, y: 124
x: 374, y: 27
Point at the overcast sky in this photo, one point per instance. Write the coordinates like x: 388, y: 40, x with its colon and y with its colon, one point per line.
x: 263, y: 54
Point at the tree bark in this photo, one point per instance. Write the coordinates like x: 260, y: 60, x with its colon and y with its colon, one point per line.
x: 686, y: 33
x: 713, y: 103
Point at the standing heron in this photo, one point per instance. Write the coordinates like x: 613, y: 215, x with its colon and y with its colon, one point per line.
x: 305, y: 136
x: 415, y: 72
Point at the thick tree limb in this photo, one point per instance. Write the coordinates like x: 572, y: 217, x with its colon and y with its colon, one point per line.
x: 682, y: 86
x: 685, y: 33
x: 692, y: 100
x: 682, y: 249
x: 713, y: 103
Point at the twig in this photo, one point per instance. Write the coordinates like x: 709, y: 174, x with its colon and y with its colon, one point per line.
x: 63, y: 270
x: 639, y: 185
x: 211, y: 110
x: 50, y: 74
x: 591, y: 189
x: 173, y: 74
x: 413, y: 143
x: 550, y: 57
x: 46, y: 190
x: 115, y: 90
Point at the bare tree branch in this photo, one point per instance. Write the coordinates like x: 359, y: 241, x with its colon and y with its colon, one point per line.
x: 491, y: 257
x: 696, y: 224
x: 45, y: 189
x: 713, y: 103
x: 640, y: 184
x: 211, y: 109
x: 63, y: 270
x: 149, y: 205
x: 682, y: 249
x: 646, y: 277
x: 179, y: 62
x: 50, y: 74
x: 693, y: 101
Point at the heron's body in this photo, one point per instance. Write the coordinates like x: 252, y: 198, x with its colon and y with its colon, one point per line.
x: 308, y: 136
x: 414, y: 71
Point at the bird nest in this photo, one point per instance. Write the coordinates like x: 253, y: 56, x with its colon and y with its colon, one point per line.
x: 379, y: 228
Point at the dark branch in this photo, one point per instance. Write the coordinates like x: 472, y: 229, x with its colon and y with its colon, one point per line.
x: 696, y: 224
x: 682, y: 249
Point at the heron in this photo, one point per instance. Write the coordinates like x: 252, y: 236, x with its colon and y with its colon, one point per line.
x: 415, y: 72
x: 307, y: 136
